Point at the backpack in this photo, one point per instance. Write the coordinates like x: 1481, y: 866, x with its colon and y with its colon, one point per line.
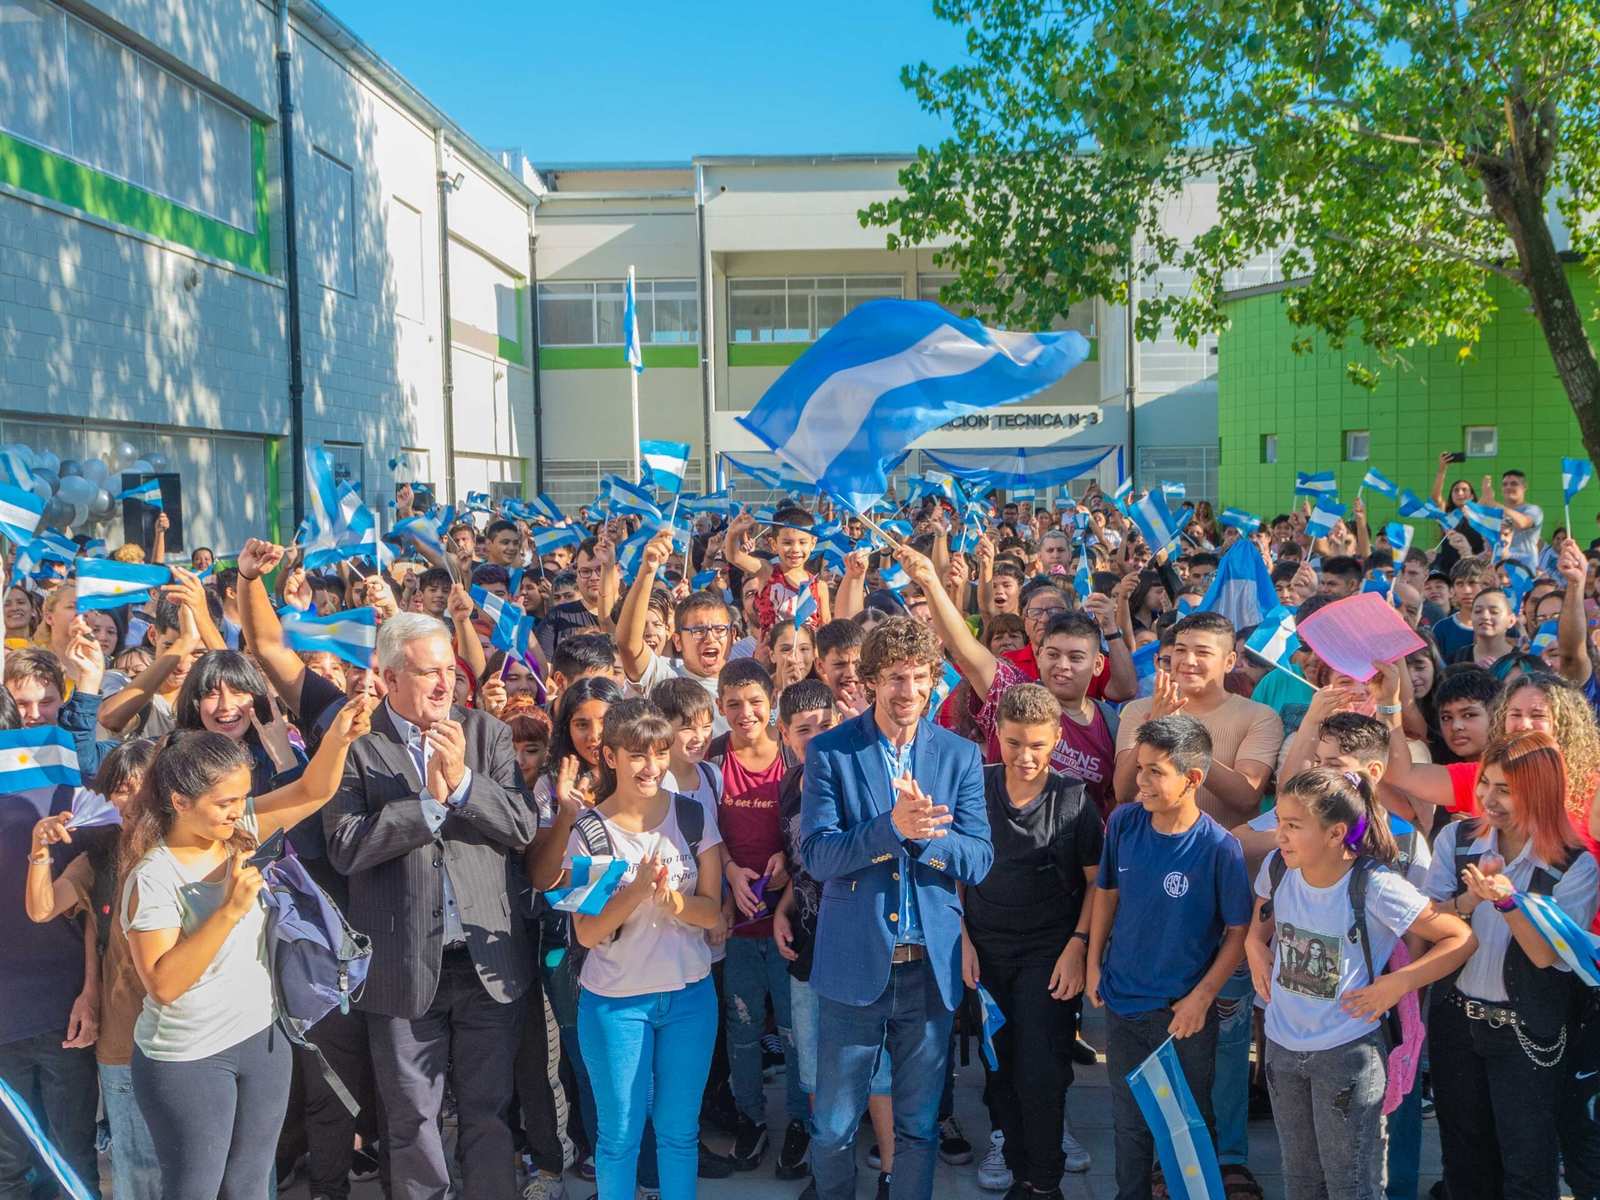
x: 1360, y: 873
x: 317, y: 962
x: 596, y: 840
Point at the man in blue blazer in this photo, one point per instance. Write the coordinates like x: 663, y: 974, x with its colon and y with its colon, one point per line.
x: 892, y: 818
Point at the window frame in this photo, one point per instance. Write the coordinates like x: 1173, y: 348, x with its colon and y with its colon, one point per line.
x: 1269, y: 449
x: 1349, y: 441
x: 1494, y: 441
x: 811, y: 297
x: 644, y: 295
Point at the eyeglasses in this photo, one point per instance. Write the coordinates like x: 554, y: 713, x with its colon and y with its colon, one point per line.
x: 589, y: 572
x: 704, y: 631
x: 1040, y: 614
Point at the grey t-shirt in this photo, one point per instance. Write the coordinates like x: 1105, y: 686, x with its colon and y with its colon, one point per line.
x: 1525, y: 542
x: 233, y: 999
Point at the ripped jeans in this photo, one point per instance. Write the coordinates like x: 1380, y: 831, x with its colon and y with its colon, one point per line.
x: 1230, y: 1091
x: 1328, y: 1107
x: 753, y: 972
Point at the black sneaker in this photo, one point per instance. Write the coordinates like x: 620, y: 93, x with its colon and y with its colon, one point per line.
x: 718, y: 1110
x: 792, y: 1157
x: 953, y: 1145
x: 714, y: 1165
x: 363, y: 1165
x: 749, y: 1144
x: 884, y: 1178
x: 1083, y: 1054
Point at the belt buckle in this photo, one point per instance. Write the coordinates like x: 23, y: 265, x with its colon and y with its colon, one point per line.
x: 1498, y: 1018
x: 1474, y: 1010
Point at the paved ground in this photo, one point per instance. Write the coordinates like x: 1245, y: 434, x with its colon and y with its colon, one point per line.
x: 1089, y: 1104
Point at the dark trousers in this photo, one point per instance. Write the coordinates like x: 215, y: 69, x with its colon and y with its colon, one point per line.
x: 910, y: 1024
x: 63, y: 1086
x: 330, y: 1129
x: 1129, y: 1041
x: 1496, y: 1110
x: 540, y: 1093
x: 474, y: 1038
x: 215, y: 1120
x: 1034, y: 1048
x: 1575, y: 1106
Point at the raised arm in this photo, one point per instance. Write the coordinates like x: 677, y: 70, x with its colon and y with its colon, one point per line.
x: 972, y: 658
x: 635, y: 654
x: 467, y: 645
x: 259, y: 623
x: 288, y: 806
x: 117, y: 712
x: 187, y: 590
x: 1572, y: 629
x: 852, y: 595
x: 1437, y: 494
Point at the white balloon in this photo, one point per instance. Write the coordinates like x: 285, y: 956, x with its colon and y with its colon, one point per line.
x: 157, y: 462
x: 80, y: 515
x: 102, y: 506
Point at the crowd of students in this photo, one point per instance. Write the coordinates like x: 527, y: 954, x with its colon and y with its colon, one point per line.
x: 1303, y: 879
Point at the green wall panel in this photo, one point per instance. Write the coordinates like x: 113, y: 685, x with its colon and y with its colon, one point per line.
x: 32, y: 169
x: 599, y: 358
x: 1308, y: 401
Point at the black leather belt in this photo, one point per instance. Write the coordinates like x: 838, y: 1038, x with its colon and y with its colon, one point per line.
x: 907, y: 952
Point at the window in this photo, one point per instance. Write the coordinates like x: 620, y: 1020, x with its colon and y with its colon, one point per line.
x: 403, y: 233
x: 349, y: 464
x: 1269, y: 447
x: 1357, y: 445
x: 801, y: 310
x: 69, y: 88
x: 590, y: 314
x: 1483, y: 441
x: 1193, y: 466
x: 330, y: 224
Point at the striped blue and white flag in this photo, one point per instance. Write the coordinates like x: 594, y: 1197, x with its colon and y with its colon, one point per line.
x: 509, y: 626
x: 96, y: 548
x: 91, y: 810
x: 148, y: 492
x: 540, y: 506
x: 894, y: 577
x: 1318, y: 483
x: 885, y: 374
x: 350, y: 635
x: 1022, y: 495
x: 1082, y: 580
x: 14, y: 471
x: 1378, y: 482
x: 106, y: 583
x: 1157, y: 522
x: 1575, y: 944
x: 1144, y: 668
x: 632, y: 351
x: 1183, y: 1144
x: 1400, y: 538
x: 1575, y: 476
x: 1413, y: 505
x: 557, y: 536
x: 702, y: 580
x: 1324, y: 516
x: 40, y: 757
x: 1238, y: 518
x: 626, y: 500
x: 1241, y: 589
x: 719, y: 503
x: 591, y: 881
x: 71, y: 1185
x: 1546, y: 636
x: 59, y: 545
x: 1174, y: 490
x: 20, y: 513
x: 1275, y: 638
x: 662, y: 465
x: 993, y: 1021
x: 478, y: 502
x: 805, y: 607
x: 1119, y: 497
x: 420, y: 532
x: 949, y: 679
x: 1486, y: 519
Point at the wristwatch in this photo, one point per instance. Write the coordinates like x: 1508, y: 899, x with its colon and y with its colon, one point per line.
x: 1505, y: 904
x: 1390, y: 710
x: 1078, y: 935
x: 1113, y: 635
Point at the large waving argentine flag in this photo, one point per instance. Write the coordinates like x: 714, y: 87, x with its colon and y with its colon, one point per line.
x: 886, y: 374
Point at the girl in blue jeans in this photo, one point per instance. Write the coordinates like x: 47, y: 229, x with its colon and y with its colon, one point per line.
x: 647, y: 1009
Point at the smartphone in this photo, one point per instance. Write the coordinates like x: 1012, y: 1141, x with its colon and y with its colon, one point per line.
x: 263, y: 707
x: 1457, y: 457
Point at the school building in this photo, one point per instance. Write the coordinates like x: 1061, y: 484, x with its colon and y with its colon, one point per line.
x: 1501, y: 404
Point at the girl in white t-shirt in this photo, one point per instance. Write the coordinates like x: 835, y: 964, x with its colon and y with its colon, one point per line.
x: 647, y: 1011
x: 1325, y: 1049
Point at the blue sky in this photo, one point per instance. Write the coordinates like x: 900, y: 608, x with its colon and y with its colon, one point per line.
x: 627, y: 81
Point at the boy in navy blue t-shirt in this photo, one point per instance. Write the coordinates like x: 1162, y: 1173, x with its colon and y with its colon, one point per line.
x: 1168, y: 930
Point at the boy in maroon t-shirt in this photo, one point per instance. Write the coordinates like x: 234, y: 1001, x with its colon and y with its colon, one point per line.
x: 748, y: 816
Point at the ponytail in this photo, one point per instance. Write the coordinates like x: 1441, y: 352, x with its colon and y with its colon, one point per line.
x: 1345, y: 798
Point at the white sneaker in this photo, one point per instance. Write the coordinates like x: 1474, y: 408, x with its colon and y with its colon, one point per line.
x: 1077, y: 1158
x: 542, y: 1187
x: 993, y: 1174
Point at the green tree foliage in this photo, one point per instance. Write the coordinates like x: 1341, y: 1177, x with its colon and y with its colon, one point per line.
x: 1395, y: 156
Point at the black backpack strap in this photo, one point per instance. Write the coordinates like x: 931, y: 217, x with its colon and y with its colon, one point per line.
x: 591, y: 830
x: 1276, y: 870
x: 691, y: 817
x: 1360, y: 873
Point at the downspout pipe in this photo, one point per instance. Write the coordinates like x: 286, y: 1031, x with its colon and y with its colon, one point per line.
x: 291, y: 266
x: 538, y: 387
x: 447, y: 377
x: 707, y: 340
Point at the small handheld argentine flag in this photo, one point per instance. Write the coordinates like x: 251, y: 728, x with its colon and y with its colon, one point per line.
x: 1485, y: 519
x: 662, y: 465
x: 1378, y: 482
x: 1319, y: 483
x: 20, y: 513
x: 557, y: 536
x: 1119, y: 497
x: 1413, y: 505
x: 40, y: 757
x: 13, y: 1103
x: 91, y: 810
x: 1157, y: 522
x: 1188, y: 1158
x: 1324, y: 516
x: 1545, y: 637
x: 625, y: 499
x: 148, y: 492
x: 105, y: 583
x: 1172, y: 490
x: 420, y: 531
x: 509, y: 626
x: 721, y: 503
x: 885, y: 374
x: 1575, y: 476
x: 1144, y: 668
x: 1238, y: 518
x: 1399, y: 537
x: 591, y: 882
x: 542, y: 506
x: 894, y: 577
x: 805, y: 607
x: 949, y: 679
x: 1242, y: 588
x: 1275, y: 638
x: 350, y: 635
x: 631, y: 350
x: 1575, y: 945
x: 993, y: 1021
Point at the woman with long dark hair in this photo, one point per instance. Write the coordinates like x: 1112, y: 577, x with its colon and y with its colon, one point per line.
x: 210, y: 1072
x: 226, y: 693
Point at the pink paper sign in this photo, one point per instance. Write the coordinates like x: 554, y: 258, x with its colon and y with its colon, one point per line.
x: 1352, y: 634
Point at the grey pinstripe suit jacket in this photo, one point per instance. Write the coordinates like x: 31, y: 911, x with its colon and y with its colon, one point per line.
x: 378, y: 837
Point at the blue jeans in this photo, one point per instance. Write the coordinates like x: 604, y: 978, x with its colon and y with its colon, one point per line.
x: 1405, y: 1147
x: 754, y: 970
x: 135, y: 1171
x: 803, y: 1012
x: 648, y: 1055
x: 1230, y: 1090
x: 910, y: 1022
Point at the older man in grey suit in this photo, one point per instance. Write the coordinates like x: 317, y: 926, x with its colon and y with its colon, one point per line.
x: 423, y: 824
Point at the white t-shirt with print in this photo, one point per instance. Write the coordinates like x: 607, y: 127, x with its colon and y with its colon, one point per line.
x: 1315, y: 962
x: 660, y: 669
x: 653, y: 951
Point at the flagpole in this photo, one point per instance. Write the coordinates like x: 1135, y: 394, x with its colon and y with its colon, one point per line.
x: 632, y: 335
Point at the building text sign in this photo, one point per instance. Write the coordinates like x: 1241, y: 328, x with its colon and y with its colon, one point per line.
x: 1001, y: 421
